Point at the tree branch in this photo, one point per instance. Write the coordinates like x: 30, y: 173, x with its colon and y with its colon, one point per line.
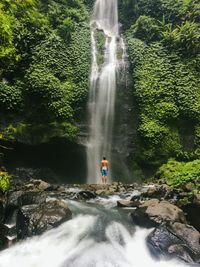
x: 8, y: 148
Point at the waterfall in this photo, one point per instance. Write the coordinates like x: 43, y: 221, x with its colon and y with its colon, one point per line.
x: 103, y: 84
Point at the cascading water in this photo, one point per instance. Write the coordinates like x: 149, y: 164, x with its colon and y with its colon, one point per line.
x: 95, y: 237
x: 103, y: 84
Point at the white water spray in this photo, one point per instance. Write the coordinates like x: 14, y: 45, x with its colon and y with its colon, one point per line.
x: 103, y: 85
x: 93, y: 240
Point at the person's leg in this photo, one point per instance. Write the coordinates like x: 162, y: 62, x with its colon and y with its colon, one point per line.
x: 105, y: 179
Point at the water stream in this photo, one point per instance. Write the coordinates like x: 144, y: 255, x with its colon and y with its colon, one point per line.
x: 104, y: 21
x: 97, y: 236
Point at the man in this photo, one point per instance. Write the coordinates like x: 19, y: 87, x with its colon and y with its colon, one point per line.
x: 104, y: 170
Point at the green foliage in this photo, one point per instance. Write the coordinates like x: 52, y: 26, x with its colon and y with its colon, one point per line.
x: 179, y: 173
x: 45, y: 60
x: 11, y: 98
x: 147, y: 29
x: 7, y: 48
x: 39, y: 133
x: 80, y: 58
x: 166, y: 88
x: 4, y: 181
x: 185, y: 37
x: 100, y: 43
x: 172, y: 10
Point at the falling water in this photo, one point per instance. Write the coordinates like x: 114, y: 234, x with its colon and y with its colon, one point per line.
x: 103, y: 84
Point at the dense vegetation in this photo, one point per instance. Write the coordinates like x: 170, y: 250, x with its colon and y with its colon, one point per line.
x: 164, y: 44
x: 178, y: 174
x: 45, y: 64
x: 45, y: 61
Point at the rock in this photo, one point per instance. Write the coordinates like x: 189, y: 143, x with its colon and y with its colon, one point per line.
x: 100, y: 192
x: 189, y: 186
x: 85, y: 195
x: 141, y: 219
x: 149, y: 203
x: 196, y: 199
x: 181, y: 252
x: 162, y: 191
x: 40, y: 185
x: 152, y: 212
x: 127, y: 203
x: 164, y: 211
x: 177, y: 240
x: 192, y: 214
x: 36, y: 218
x: 31, y: 197
x: 188, y: 233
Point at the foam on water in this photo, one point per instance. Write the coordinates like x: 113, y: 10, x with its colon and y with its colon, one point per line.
x: 85, y: 241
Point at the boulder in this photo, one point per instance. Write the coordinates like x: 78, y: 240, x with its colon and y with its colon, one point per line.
x: 34, y: 219
x: 175, y: 240
x: 85, y: 195
x: 36, y: 185
x: 127, y: 203
x: 149, y: 203
x: 164, y: 211
x: 162, y: 191
x: 141, y: 219
x: 31, y: 197
x: 152, y: 212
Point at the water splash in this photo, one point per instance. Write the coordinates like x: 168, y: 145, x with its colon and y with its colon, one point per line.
x: 103, y: 85
x: 75, y: 244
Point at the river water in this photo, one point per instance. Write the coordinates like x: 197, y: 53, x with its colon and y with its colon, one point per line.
x: 97, y: 236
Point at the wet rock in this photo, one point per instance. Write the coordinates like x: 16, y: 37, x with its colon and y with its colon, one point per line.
x: 149, y: 203
x: 28, y: 198
x: 127, y: 203
x: 100, y: 192
x: 84, y: 195
x: 164, y: 211
x: 177, y: 240
x: 140, y: 218
x: 152, y: 213
x: 35, y: 219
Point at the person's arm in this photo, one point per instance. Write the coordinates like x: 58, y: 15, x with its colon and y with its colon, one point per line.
x: 107, y: 165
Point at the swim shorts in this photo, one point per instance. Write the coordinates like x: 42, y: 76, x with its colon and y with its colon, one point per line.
x: 104, y: 172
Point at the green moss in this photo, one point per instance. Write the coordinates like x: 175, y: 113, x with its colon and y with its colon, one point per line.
x: 4, y: 181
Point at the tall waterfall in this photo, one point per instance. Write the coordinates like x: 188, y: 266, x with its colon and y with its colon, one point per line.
x: 103, y: 84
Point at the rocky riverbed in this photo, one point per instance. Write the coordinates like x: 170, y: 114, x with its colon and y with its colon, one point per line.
x: 33, y: 206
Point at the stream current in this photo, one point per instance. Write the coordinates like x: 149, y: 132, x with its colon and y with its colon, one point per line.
x: 99, y: 235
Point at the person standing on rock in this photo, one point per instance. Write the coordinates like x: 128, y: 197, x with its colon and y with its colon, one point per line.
x: 104, y: 170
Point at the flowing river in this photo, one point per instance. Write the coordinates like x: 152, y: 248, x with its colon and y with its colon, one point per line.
x: 104, y: 24
x: 97, y: 236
